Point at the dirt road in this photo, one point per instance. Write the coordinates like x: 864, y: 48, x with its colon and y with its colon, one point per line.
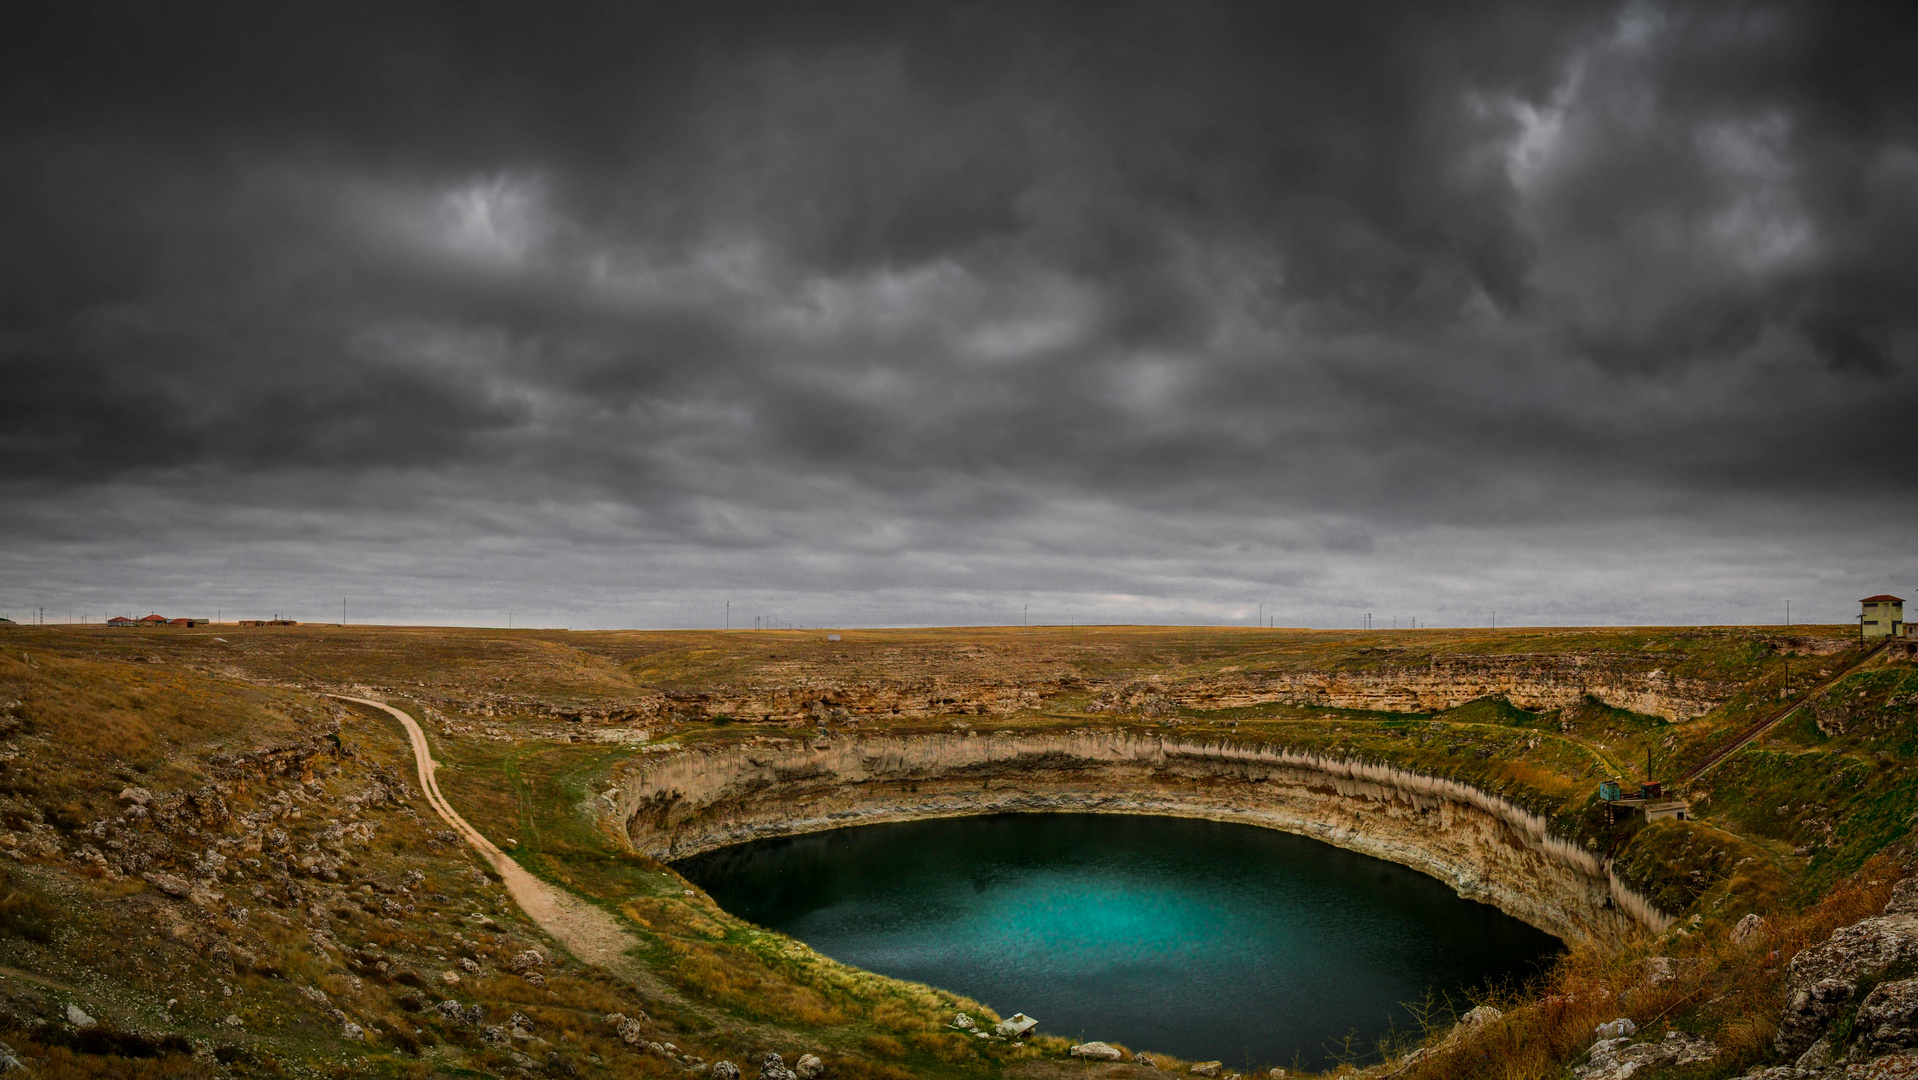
x: 591, y: 934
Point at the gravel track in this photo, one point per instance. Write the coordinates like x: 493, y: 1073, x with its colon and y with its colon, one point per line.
x: 591, y: 934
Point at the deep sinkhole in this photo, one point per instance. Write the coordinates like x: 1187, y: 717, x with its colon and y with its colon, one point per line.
x: 1197, y: 938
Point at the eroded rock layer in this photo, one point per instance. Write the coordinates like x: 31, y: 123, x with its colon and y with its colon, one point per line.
x: 679, y: 804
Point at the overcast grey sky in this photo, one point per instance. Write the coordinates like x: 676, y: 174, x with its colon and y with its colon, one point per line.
x: 923, y: 313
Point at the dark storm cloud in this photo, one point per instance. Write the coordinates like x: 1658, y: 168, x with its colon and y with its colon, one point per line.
x: 1134, y: 301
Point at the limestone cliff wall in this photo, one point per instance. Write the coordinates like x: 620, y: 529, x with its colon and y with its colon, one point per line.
x: 678, y: 804
x: 1528, y: 680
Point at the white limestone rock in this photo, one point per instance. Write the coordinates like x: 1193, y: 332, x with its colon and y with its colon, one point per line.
x: 1750, y: 929
x: 1619, y: 1059
x: 1621, y: 1028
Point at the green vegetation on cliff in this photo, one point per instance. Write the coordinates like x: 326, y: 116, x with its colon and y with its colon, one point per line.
x: 188, y: 822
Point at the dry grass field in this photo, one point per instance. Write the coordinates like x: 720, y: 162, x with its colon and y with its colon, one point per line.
x: 232, y: 874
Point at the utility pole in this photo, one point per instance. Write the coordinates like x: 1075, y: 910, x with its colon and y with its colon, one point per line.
x: 342, y: 611
x: 1788, y: 613
x: 729, y: 614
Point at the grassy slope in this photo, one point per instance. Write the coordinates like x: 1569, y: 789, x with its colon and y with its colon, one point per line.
x: 735, y: 987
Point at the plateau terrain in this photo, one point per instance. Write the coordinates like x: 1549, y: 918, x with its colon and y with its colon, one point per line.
x: 318, y: 851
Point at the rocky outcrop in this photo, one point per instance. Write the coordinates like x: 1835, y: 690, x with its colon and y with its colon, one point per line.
x: 1619, y: 1059
x: 1390, y: 681
x: 1824, y: 979
x: 1824, y: 984
x: 673, y: 805
x: 1533, y: 681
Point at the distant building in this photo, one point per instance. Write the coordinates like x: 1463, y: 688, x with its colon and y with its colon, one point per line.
x: 252, y: 622
x: 186, y: 622
x: 1882, y: 616
x: 152, y: 620
x: 122, y: 620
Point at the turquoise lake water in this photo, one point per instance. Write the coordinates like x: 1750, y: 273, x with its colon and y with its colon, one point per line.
x: 1197, y: 938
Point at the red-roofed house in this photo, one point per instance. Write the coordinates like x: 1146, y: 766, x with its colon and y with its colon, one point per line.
x: 1882, y: 616
x: 122, y: 620
x: 153, y: 620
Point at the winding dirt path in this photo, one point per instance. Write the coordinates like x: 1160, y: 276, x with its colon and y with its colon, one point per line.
x: 591, y: 934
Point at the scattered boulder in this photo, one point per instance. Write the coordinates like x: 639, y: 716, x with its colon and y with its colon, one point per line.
x: 450, y: 978
x: 1660, y: 970
x: 1016, y: 1026
x: 353, y: 1032
x: 808, y: 1066
x: 530, y: 960
x: 725, y: 1070
x: 1750, y: 929
x: 171, y: 884
x: 629, y: 1031
x: 1142, y: 1059
x: 78, y: 1017
x: 138, y: 796
x: 469, y: 965
x: 1620, y: 1028
x: 773, y: 1067
x: 964, y: 1023
x: 450, y: 1009
x: 9, y: 1061
x: 1618, y: 1059
x: 1206, y: 1068
x: 1098, y: 1051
